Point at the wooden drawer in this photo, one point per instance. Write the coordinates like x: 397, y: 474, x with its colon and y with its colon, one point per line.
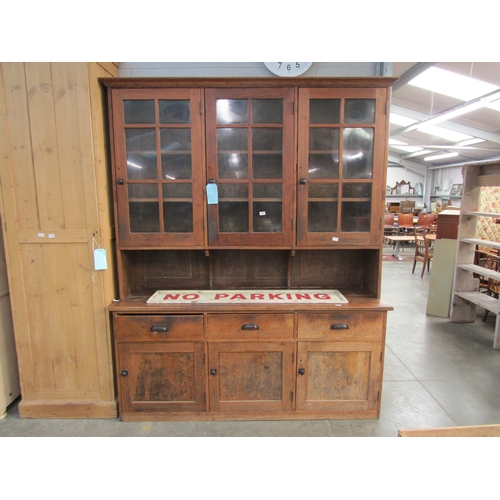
x: 349, y: 326
x: 249, y: 326
x: 155, y: 328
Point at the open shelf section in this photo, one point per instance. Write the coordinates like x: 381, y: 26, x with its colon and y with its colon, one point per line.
x: 482, y: 271
x: 481, y: 214
x: 481, y: 242
x: 477, y: 177
x: 481, y: 300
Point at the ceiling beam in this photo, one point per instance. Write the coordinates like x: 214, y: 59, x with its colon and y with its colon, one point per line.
x: 412, y: 73
x: 404, y: 163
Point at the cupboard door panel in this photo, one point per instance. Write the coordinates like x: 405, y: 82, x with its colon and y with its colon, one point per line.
x: 159, y: 165
x: 341, y: 160
x: 250, y: 157
x: 158, y: 377
x: 251, y: 376
x: 338, y: 376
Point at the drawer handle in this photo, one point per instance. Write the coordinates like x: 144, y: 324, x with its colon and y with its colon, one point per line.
x: 339, y: 326
x: 213, y: 371
x: 159, y: 329
x: 250, y: 326
x: 302, y: 371
x: 124, y: 373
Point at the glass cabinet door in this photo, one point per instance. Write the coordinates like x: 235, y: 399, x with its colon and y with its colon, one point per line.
x: 250, y: 159
x: 340, y: 162
x: 159, y: 169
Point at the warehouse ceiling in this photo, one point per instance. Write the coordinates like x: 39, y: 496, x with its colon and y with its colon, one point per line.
x: 463, y: 101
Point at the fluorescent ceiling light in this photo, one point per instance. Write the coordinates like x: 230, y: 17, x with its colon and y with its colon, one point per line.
x: 470, y: 142
x: 456, y: 112
x: 403, y: 146
x: 444, y: 133
x: 408, y: 149
x: 452, y: 84
x: 440, y: 156
x: 462, y: 109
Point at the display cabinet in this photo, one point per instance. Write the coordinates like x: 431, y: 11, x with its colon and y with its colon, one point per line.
x: 269, y: 194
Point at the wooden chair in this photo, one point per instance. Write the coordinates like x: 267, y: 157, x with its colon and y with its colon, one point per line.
x: 428, y: 221
x: 423, y: 251
x: 389, y: 227
x: 405, y: 223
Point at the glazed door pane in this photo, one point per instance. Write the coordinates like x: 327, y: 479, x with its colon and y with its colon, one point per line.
x: 139, y: 111
x: 141, y: 153
x: 144, y: 208
x: 267, y: 207
x: 357, y: 158
x: 322, y: 207
x: 324, y: 153
x: 325, y: 110
x: 178, y: 208
x: 233, y: 208
x: 174, y: 111
x: 176, y: 156
x: 360, y: 111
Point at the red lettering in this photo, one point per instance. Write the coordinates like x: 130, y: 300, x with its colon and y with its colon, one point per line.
x: 256, y: 296
x: 190, y: 296
x: 300, y: 296
x: 238, y: 296
x: 289, y: 296
x: 221, y: 296
x: 322, y: 296
x: 273, y: 296
x: 170, y: 296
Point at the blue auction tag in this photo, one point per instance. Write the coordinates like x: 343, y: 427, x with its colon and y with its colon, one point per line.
x: 100, y: 259
x: 212, y: 195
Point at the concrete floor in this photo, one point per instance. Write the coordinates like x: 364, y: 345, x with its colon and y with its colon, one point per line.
x: 437, y: 374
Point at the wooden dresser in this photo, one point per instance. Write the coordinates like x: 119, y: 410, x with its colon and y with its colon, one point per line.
x: 268, y: 196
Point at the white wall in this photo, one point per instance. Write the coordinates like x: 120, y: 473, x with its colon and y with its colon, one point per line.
x: 398, y: 174
x: 443, y: 176
x: 246, y: 69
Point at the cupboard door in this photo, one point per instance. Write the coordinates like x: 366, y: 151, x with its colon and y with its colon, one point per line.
x: 251, y: 376
x: 336, y: 376
x: 159, y: 168
x: 341, y: 162
x: 250, y: 157
x: 161, y: 376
